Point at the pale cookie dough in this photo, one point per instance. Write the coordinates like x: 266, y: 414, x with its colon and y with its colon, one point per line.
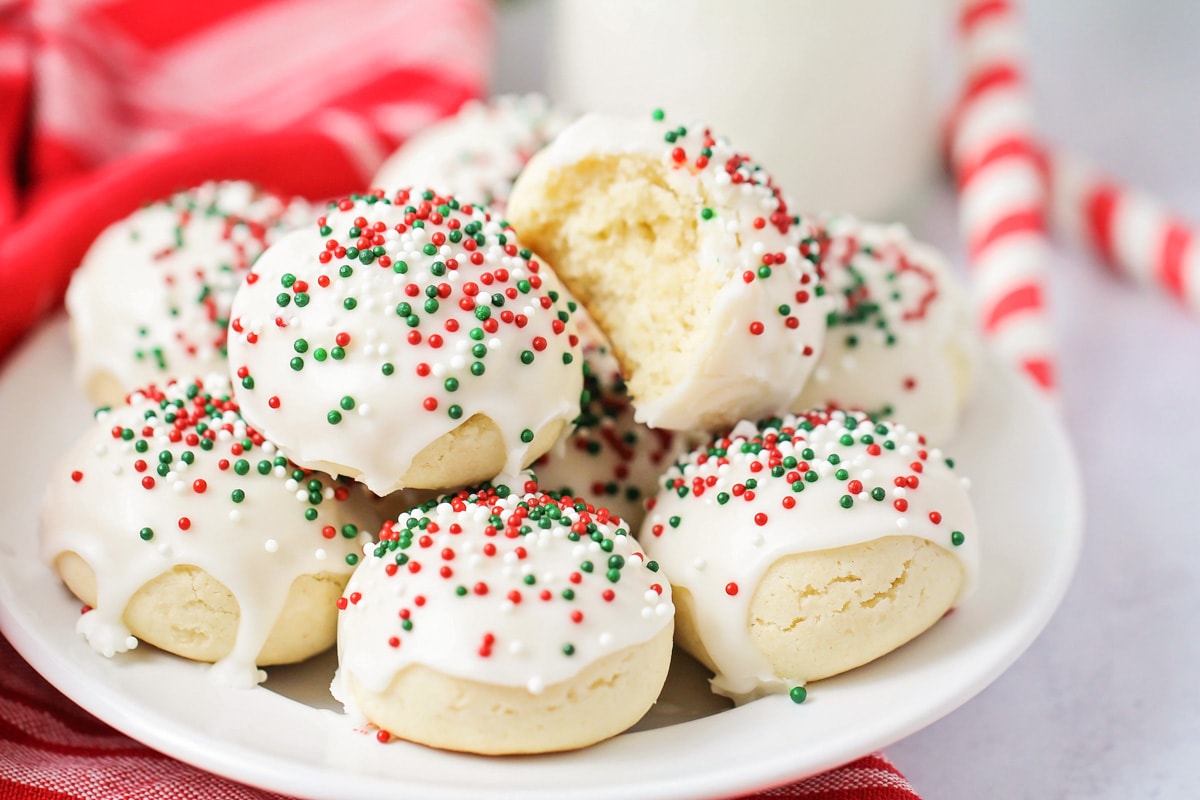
x: 504, y: 622
x: 808, y: 545
x: 901, y: 341
x: 690, y: 260
x: 476, y: 154
x: 407, y: 342
x: 179, y: 525
x: 150, y: 301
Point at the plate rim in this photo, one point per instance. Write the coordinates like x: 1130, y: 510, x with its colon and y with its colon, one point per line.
x: 264, y: 769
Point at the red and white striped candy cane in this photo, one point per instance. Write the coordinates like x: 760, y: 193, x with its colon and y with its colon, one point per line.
x: 1131, y: 231
x: 1003, y: 200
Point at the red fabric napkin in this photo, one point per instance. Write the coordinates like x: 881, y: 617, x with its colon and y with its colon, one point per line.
x: 50, y: 749
x: 108, y: 104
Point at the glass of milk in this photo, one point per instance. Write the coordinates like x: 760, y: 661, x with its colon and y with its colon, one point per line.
x: 839, y: 99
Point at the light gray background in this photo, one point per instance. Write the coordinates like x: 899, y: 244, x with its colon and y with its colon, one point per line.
x: 1106, y: 704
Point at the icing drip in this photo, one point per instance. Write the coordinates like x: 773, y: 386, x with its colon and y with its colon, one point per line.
x: 175, y: 478
x: 822, y: 480
x: 408, y: 316
x: 507, y: 588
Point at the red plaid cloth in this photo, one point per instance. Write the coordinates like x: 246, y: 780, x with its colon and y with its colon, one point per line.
x: 50, y: 749
x: 108, y: 104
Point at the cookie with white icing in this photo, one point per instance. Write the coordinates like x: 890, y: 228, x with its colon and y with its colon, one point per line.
x: 407, y: 342
x: 180, y: 525
x: 901, y: 342
x: 689, y: 258
x: 150, y: 301
x: 805, y: 546
x: 609, y: 458
x: 504, y: 622
x: 477, y: 153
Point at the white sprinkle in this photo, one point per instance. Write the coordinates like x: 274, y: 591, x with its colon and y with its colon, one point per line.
x: 899, y: 491
x: 271, y: 546
x: 664, y: 609
x: 606, y: 639
x: 650, y: 596
x: 535, y: 686
x: 116, y: 469
x: 699, y: 564
x: 516, y: 647
x: 301, y: 495
x: 647, y: 612
x: 319, y: 554
x: 235, y: 515
x: 902, y: 523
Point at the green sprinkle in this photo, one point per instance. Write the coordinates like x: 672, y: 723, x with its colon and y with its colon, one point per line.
x: 527, y: 436
x: 846, y: 501
x: 798, y: 694
x: 146, y: 533
x: 334, y: 417
x: 237, y: 495
x: 957, y: 538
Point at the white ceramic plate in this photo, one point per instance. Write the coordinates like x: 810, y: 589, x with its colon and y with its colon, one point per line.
x: 288, y: 737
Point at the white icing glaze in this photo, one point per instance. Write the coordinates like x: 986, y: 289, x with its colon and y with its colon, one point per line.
x: 477, y: 153
x: 399, y: 386
x: 609, y: 458
x: 151, y: 299
x: 483, y: 591
x: 753, y: 357
x: 718, y: 544
x: 901, y: 341
x: 109, y: 502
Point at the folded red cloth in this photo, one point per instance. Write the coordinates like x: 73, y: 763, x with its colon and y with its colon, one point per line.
x: 50, y: 749
x: 106, y: 106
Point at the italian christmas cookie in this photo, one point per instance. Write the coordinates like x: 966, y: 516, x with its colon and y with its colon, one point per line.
x: 504, y: 622
x: 410, y: 342
x: 808, y: 545
x: 901, y: 342
x: 609, y: 457
x: 178, y: 524
x: 477, y: 153
x: 150, y: 301
x: 689, y: 258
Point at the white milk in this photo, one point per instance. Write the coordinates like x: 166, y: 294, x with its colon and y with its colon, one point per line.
x: 838, y: 98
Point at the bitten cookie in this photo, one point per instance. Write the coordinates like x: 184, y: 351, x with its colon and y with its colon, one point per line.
x: 690, y: 260
x: 609, y: 457
x: 408, y: 343
x: 476, y: 154
x: 504, y: 622
x: 150, y: 301
x: 901, y: 341
x: 809, y: 545
x: 178, y: 524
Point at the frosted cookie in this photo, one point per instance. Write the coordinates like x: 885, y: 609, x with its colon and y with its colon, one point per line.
x: 476, y: 154
x: 179, y: 525
x: 407, y: 344
x: 609, y: 457
x: 504, y: 622
x: 690, y: 260
x: 150, y: 301
x: 901, y: 342
x: 806, y: 546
